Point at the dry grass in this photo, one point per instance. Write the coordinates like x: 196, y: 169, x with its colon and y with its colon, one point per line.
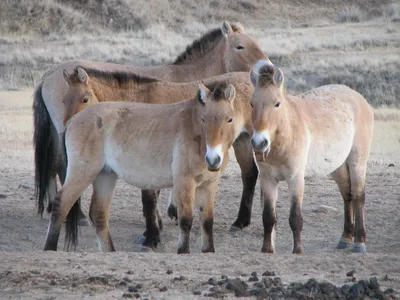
x: 306, y: 42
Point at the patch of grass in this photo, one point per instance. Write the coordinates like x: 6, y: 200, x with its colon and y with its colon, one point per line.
x: 350, y: 14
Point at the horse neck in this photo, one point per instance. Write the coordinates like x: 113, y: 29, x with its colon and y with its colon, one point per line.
x: 111, y: 92
x: 208, y: 64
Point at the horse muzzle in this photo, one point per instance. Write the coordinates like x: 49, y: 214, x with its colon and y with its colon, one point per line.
x: 260, y: 143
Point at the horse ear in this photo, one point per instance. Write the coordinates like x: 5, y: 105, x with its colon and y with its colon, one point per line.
x: 83, y: 76
x: 278, y: 78
x: 230, y: 93
x: 238, y: 28
x: 253, y: 77
x: 202, y: 93
x: 226, y: 29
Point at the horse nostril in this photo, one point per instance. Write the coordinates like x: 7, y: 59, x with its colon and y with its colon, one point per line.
x: 264, y: 143
x: 218, y: 160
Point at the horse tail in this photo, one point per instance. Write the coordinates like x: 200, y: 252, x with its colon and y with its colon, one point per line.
x: 71, y: 223
x: 43, y: 144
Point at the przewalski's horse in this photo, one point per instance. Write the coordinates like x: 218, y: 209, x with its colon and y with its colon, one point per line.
x: 183, y: 146
x: 91, y: 86
x: 219, y: 51
x: 327, y: 130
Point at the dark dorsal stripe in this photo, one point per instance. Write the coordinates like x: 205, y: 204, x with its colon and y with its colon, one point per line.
x: 200, y: 46
x: 119, y: 78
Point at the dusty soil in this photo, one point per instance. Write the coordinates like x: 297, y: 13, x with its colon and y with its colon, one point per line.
x: 26, y: 272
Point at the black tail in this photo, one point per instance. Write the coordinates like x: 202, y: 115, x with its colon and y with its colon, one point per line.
x: 43, y: 143
x: 71, y: 224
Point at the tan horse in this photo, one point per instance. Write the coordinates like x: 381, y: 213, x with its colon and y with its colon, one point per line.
x: 91, y: 86
x: 327, y: 130
x: 152, y: 147
x: 222, y: 50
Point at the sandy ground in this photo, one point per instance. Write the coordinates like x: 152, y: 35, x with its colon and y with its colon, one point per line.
x: 26, y: 272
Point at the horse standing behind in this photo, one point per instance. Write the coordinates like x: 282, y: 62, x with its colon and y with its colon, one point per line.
x: 327, y: 130
x: 152, y: 147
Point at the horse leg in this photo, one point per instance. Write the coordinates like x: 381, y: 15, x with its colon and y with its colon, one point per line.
x: 342, y: 179
x: 151, y: 237
x: 296, y: 190
x: 269, y: 195
x: 62, y: 171
x: 172, y: 211
x: 245, y: 159
x: 184, y: 191
x: 205, y: 198
x: 357, y: 182
x: 103, y: 193
x: 61, y: 205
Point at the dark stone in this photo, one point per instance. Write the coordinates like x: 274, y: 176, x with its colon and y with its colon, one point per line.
x: 169, y: 272
x: 132, y: 289
x: 122, y: 283
x: 52, y: 282
x: 180, y: 278
x: 130, y: 272
x: 163, y: 289
x: 258, y: 285
x: 3, y: 196
x: 238, y: 286
x: 391, y: 165
x: 268, y: 273
x: 374, y: 284
x: 139, y: 286
x: 211, y: 281
x: 268, y: 282
x: 221, y: 282
x: 127, y: 279
x: 196, y: 292
x: 127, y: 295
x: 350, y: 273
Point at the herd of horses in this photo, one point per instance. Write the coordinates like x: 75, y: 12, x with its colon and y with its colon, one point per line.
x: 171, y: 126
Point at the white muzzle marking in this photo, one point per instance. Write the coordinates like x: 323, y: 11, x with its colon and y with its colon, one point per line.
x: 261, y: 141
x: 214, y: 157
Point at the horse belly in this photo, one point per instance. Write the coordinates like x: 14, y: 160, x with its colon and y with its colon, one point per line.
x: 141, y: 169
x: 327, y: 153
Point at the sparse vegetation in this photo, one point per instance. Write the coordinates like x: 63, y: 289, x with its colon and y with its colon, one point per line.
x: 349, y: 42
x: 350, y: 14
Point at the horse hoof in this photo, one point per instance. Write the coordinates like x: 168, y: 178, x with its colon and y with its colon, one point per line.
x: 141, y: 239
x: 145, y: 249
x: 343, y: 244
x: 84, y: 222
x: 234, y: 228
x: 359, y: 248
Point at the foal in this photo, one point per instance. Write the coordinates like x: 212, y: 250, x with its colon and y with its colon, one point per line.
x: 183, y: 146
x: 310, y: 135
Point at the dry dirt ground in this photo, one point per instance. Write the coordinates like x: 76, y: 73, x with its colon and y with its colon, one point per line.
x: 26, y: 272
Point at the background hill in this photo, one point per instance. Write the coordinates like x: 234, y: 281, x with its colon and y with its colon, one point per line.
x: 315, y: 42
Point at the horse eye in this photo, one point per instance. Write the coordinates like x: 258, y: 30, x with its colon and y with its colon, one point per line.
x: 277, y: 104
x: 230, y: 120
x: 85, y: 100
x: 251, y: 104
x: 240, y: 47
x: 202, y: 120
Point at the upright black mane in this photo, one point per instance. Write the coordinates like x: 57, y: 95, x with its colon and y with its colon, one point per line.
x: 119, y: 78
x: 200, y: 46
